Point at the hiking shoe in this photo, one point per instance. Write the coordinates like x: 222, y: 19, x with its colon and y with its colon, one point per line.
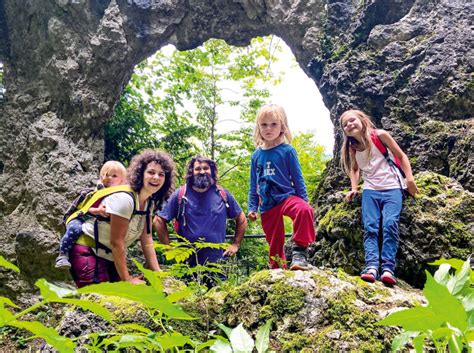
x: 388, y: 278
x: 62, y: 262
x: 299, y: 259
x: 369, y: 275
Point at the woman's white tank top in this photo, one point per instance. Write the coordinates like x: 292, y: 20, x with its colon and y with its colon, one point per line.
x: 376, y: 172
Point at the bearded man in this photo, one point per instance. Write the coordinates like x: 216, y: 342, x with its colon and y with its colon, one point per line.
x: 201, y: 208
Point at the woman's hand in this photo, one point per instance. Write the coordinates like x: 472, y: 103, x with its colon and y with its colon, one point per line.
x: 135, y: 280
x: 351, y: 194
x: 412, y: 188
x: 252, y: 216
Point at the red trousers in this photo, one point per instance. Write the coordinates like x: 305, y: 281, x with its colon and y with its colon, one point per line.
x: 302, y: 216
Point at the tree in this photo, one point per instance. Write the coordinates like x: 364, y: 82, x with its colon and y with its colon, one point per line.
x: 312, y: 159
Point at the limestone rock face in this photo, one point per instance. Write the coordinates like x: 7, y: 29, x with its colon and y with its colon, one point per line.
x: 407, y: 63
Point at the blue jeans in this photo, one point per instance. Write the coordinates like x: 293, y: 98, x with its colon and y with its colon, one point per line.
x: 385, y: 204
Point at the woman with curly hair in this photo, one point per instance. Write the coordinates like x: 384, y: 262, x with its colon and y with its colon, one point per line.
x: 99, y: 255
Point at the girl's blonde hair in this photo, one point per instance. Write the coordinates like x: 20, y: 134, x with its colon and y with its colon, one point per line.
x: 113, y: 166
x: 275, y: 111
x: 348, y: 151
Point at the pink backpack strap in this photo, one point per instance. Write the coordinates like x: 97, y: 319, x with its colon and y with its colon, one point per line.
x: 383, y: 149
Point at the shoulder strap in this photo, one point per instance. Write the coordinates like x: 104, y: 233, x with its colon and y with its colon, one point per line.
x: 182, y: 191
x: 97, y: 195
x: 378, y: 143
x: 392, y: 160
x: 223, y: 195
x: 181, y: 206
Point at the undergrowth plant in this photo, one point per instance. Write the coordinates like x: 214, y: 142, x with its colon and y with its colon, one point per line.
x: 447, y: 322
x: 161, y: 307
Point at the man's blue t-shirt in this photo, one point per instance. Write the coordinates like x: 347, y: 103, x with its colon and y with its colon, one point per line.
x: 205, y: 218
x: 275, y: 175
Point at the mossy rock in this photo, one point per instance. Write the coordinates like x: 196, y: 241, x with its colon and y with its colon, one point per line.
x: 316, y: 310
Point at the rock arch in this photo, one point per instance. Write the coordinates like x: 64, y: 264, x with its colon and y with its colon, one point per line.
x: 405, y: 62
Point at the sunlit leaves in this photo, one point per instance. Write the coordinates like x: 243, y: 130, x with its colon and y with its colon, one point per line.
x: 141, y: 293
x: 8, y: 264
x: 448, y: 319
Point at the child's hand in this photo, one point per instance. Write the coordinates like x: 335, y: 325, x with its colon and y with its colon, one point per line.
x: 412, y: 188
x: 252, y: 216
x: 351, y: 194
x: 99, y: 211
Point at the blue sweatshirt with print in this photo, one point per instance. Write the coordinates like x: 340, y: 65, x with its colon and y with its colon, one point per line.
x: 275, y: 175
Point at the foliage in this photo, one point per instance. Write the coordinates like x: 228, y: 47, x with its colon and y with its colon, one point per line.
x: 129, y: 131
x: 312, y: 159
x: 176, y: 100
x: 447, y: 321
x: 239, y: 341
x: 162, y: 308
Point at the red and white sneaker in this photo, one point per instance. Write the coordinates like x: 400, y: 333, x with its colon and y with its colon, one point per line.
x: 388, y: 278
x: 369, y: 275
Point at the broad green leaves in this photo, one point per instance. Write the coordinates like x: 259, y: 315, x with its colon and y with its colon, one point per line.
x: 448, y: 319
x: 240, y: 341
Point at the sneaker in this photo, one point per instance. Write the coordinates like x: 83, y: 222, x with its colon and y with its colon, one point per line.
x: 388, y: 278
x: 62, y: 262
x: 369, y: 275
x: 299, y: 259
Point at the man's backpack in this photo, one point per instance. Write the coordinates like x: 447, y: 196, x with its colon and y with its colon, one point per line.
x: 182, y: 201
x: 391, y: 159
x: 93, y: 198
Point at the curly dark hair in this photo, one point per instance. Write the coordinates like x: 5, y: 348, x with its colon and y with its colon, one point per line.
x: 190, y: 168
x: 137, y: 168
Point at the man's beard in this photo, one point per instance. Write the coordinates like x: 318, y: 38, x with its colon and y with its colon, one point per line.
x: 202, y: 181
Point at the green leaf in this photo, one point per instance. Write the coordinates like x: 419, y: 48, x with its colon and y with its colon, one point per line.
x: 5, y: 316
x: 401, y: 340
x: 468, y: 300
x: 262, y: 339
x: 135, y: 327
x: 206, y: 344
x: 221, y: 346
x: 140, y: 293
x: 455, y: 344
x: 413, y: 319
x: 442, y: 333
x: 177, y: 296
x: 50, y: 335
x: 454, y: 263
x: 240, y: 340
x: 8, y: 264
x: 4, y: 300
x: 461, y: 279
x: 151, y: 276
x: 227, y: 330
x: 445, y: 306
x: 442, y: 274
x: 173, y: 340
x: 97, y: 309
x: 418, y: 342
x: 51, y: 292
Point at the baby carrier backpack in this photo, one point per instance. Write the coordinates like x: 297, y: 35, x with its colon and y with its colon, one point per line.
x: 93, y: 199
